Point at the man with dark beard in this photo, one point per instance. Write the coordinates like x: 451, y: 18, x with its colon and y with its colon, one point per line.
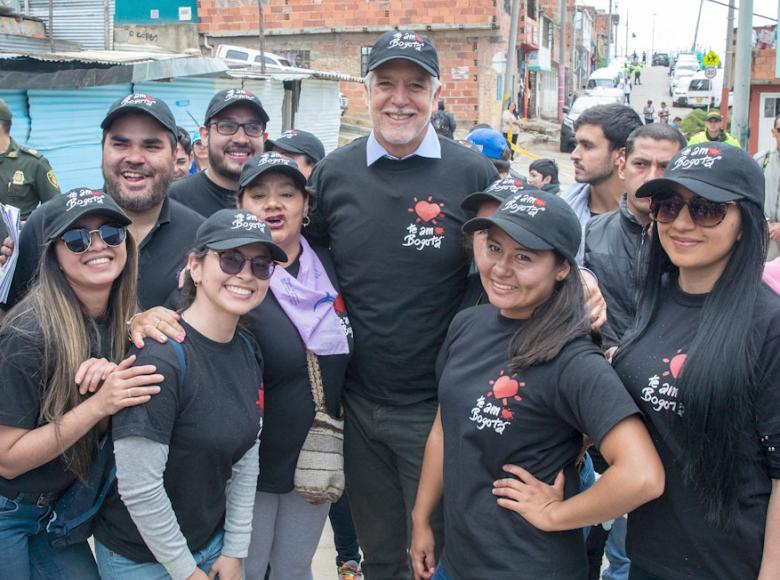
x: 235, y: 131
x: 139, y: 143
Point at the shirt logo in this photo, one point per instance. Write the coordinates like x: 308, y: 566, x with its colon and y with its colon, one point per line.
x: 248, y: 222
x: 425, y: 231
x: 661, y: 391
x: 526, y: 204
x: 406, y: 40
x: 84, y: 198
x: 497, y: 415
x: 697, y: 155
x: 18, y: 178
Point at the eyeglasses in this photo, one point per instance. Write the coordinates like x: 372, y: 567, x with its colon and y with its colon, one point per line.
x: 78, y: 240
x: 232, y: 262
x: 231, y: 128
x: 703, y: 212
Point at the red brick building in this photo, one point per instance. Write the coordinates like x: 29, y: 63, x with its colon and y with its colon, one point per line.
x: 470, y: 35
x: 764, y: 90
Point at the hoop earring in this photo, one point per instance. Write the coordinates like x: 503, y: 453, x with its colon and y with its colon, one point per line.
x: 306, y: 220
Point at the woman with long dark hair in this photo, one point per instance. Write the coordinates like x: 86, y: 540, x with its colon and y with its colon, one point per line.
x: 187, y: 464
x: 703, y: 364
x: 520, y: 382
x: 59, y: 378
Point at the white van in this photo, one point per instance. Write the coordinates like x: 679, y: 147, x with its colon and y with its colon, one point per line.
x: 234, y: 53
x: 603, y: 77
x: 704, y: 92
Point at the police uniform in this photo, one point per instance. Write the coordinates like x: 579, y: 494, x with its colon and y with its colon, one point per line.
x: 26, y: 178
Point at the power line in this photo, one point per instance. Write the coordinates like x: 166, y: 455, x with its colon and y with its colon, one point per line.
x: 754, y: 14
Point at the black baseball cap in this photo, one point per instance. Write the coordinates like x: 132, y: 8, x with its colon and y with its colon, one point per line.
x: 66, y: 209
x: 406, y: 45
x: 229, y: 97
x: 537, y: 220
x: 298, y: 141
x: 500, y: 190
x: 233, y: 228
x: 713, y: 170
x: 271, y: 161
x: 141, y: 103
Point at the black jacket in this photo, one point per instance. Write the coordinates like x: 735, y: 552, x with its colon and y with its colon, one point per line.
x: 613, y: 242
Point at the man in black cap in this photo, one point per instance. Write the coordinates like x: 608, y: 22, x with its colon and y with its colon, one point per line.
x: 713, y: 131
x: 389, y: 207
x: 26, y: 178
x: 301, y: 146
x: 139, y: 143
x: 235, y: 131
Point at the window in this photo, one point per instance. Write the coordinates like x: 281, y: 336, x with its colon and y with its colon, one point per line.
x: 236, y: 55
x: 364, y: 52
x: 699, y: 85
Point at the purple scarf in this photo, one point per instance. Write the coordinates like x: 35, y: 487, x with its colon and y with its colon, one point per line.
x: 310, y: 302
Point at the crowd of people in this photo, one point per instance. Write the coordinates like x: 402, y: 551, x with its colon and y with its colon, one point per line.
x: 472, y: 373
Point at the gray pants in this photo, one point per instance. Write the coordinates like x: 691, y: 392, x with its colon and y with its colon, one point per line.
x: 286, y: 530
x: 383, y: 452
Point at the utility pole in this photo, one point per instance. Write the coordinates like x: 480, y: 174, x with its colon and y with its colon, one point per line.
x: 728, y: 67
x: 739, y: 119
x: 261, y: 34
x: 561, y: 57
x: 626, y: 47
x: 609, y: 33
x: 696, y: 33
x: 509, y: 75
x: 50, y: 26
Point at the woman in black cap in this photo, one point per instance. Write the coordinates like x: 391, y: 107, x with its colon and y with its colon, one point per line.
x: 187, y: 463
x: 520, y: 382
x: 59, y: 379
x: 703, y: 364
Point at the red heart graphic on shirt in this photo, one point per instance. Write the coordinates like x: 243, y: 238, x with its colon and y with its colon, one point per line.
x: 339, y: 306
x: 438, y: 230
x: 505, y: 387
x: 713, y: 151
x: 538, y: 202
x: 506, y: 414
x: 426, y: 210
x: 676, y: 364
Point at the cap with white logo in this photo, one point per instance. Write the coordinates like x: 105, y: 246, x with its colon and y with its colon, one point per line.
x: 141, y: 103
x: 66, y: 209
x: 233, y: 228
x: 229, y: 97
x: 272, y: 161
x: 406, y: 45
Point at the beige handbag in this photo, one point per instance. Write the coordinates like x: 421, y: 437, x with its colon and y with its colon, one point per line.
x: 319, y: 473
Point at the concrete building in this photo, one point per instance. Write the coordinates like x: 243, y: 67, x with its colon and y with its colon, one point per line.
x: 764, y: 89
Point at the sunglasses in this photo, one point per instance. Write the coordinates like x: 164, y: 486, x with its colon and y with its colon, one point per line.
x: 251, y: 129
x: 703, y: 212
x: 232, y: 262
x: 78, y: 240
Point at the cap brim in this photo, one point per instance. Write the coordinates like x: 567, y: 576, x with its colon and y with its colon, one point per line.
x: 472, y: 201
x: 427, y: 68
x: 700, y: 188
x: 277, y: 253
x: 296, y: 174
x: 293, y: 148
x: 249, y: 103
x: 125, y: 109
x: 119, y: 218
x: 518, y: 233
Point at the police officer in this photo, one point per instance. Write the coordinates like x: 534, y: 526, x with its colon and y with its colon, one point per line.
x: 26, y: 178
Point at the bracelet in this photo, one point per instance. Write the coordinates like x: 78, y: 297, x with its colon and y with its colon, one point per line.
x: 129, y: 324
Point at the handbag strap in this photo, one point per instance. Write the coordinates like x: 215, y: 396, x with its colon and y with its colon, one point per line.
x: 315, y: 381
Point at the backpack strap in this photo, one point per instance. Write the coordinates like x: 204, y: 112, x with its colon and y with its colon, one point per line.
x: 179, y: 357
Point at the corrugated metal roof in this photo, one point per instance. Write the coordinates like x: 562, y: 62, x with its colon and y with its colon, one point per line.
x: 270, y: 92
x: 188, y: 98
x: 288, y: 73
x: 110, y: 57
x: 81, y: 21
x: 319, y: 111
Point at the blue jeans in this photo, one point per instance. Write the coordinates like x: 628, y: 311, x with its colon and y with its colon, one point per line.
x: 27, y: 554
x: 615, y: 549
x: 115, y: 567
x: 587, y: 479
x: 344, y: 535
x: 440, y: 574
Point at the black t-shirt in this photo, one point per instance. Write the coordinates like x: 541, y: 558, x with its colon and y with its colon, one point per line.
x: 492, y: 417
x: 670, y: 536
x: 162, y: 253
x: 22, y: 390
x: 201, y: 194
x: 289, y: 406
x: 209, y: 419
x: 394, y: 230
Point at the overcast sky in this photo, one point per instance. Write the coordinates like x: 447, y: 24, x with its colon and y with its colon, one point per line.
x: 675, y: 22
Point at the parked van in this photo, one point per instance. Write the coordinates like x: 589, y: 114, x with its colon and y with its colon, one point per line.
x: 704, y: 92
x: 249, y: 56
x: 604, y: 77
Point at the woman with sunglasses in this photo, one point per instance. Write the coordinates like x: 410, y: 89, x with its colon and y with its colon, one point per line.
x: 59, y: 379
x: 303, y: 314
x: 520, y: 382
x: 702, y: 362
x: 187, y: 464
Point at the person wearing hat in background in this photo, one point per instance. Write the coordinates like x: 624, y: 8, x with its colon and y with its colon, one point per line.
x: 301, y: 146
x: 139, y: 142
x: 200, y: 153
x: 183, y: 159
x: 713, y: 131
x: 702, y: 364
x: 492, y: 145
x: 26, y: 178
x: 520, y: 382
x: 187, y: 464
x: 63, y: 372
x: 769, y: 161
x: 388, y: 206
x: 543, y: 173
x: 234, y: 130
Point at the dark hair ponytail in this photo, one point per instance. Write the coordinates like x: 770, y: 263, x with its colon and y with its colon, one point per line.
x: 717, y: 385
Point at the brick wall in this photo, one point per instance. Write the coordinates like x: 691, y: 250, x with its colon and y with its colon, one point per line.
x: 763, y: 66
